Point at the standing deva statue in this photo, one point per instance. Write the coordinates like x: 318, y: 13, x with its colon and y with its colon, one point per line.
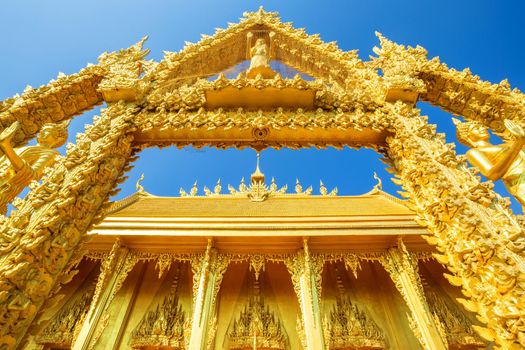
x: 260, y: 61
x: 505, y: 161
x: 20, y: 166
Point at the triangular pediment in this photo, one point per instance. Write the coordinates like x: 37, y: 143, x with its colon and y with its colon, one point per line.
x: 228, y: 47
x: 284, y: 70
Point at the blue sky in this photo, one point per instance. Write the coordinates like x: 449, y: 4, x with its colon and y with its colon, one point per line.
x: 42, y: 38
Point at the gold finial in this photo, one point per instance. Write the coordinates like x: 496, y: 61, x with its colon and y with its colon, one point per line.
x: 379, y: 184
x: 242, y: 186
x: 322, y: 188
x: 273, y: 185
x: 138, y: 185
x: 218, y: 187
x: 193, y: 191
x: 298, y: 187
x: 258, y: 176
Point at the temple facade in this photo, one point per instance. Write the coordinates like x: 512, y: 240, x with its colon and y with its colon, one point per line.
x: 259, y: 265
x: 268, y: 269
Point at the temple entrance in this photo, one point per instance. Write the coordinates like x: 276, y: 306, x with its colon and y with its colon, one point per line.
x: 259, y: 267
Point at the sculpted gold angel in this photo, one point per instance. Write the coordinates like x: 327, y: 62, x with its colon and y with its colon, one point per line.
x: 19, y: 166
x: 505, y: 161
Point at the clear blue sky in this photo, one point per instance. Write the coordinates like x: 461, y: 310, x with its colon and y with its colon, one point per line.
x: 42, y: 38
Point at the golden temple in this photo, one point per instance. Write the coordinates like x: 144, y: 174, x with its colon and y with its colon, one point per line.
x: 258, y: 266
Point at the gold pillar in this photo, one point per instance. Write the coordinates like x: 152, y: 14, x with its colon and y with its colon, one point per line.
x: 115, y: 268
x: 479, y: 237
x: 403, y: 270
x: 306, y: 278
x: 51, y: 221
x: 208, y: 272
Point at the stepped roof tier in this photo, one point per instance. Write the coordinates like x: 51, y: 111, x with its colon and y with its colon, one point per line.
x: 236, y: 221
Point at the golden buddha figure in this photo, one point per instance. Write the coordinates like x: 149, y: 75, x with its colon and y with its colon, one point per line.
x: 20, y: 166
x: 505, y: 161
x: 260, y: 61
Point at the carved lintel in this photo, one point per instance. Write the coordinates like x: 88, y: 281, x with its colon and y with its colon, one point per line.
x: 402, y: 268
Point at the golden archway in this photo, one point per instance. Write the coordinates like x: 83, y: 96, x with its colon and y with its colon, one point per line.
x: 348, y: 104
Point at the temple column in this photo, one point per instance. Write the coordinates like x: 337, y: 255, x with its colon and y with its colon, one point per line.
x: 403, y: 270
x: 306, y: 278
x: 208, y: 272
x: 114, y: 270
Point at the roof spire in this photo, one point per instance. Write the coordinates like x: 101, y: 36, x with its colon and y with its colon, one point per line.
x: 258, y: 176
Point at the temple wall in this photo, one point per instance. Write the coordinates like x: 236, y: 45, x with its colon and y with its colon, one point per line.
x: 143, y: 291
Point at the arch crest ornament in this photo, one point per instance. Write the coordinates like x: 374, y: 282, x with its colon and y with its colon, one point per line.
x: 479, y: 239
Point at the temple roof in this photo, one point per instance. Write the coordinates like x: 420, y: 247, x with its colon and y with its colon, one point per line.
x: 376, y: 203
x: 237, y: 220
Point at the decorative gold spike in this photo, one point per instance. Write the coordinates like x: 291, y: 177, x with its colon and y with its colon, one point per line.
x: 379, y: 184
x: 138, y: 185
x: 193, y: 191
x: 322, y: 188
x: 298, y: 187
x: 217, y: 189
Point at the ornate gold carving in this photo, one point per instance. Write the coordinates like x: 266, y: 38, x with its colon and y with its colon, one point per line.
x: 324, y: 191
x: 299, y: 189
x: 163, y: 325
x: 258, y: 191
x: 229, y: 46
x: 163, y: 264
x: 216, y: 190
x: 403, y: 270
x: 18, y: 167
x: 260, y: 60
x: 257, y: 328
x: 505, y: 161
x: 257, y: 264
x: 159, y: 125
x: 64, y: 325
x: 459, y: 92
x: 56, y: 214
x: 456, y: 327
x: 138, y: 185
x: 123, y: 70
x: 399, y: 66
x: 61, y: 99
x: 480, y: 240
x: 114, y: 272
x: 192, y: 193
x: 482, y: 243
x: 351, y: 328
x: 352, y: 262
